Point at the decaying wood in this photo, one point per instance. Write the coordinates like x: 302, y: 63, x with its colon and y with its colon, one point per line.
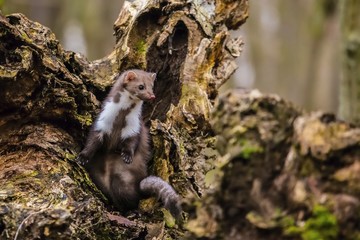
x: 49, y: 98
x: 282, y: 174
x: 251, y: 166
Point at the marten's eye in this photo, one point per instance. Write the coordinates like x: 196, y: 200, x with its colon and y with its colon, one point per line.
x: 141, y: 87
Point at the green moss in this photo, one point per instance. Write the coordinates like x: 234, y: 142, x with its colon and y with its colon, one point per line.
x: 69, y: 156
x: 24, y: 175
x: 141, y: 47
x: 168, y: 218
x: 287, y: 221
x: 292, y: 231
x: 85, y: 120
x: 248, y: 148
x: 322, y: 225
x: 26, y: 37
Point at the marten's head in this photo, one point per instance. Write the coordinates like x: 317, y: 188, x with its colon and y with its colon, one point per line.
x: 139, y: 84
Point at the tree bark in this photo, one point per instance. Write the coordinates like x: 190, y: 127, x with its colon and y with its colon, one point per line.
x: 349, y: 107
x: 49, y: 98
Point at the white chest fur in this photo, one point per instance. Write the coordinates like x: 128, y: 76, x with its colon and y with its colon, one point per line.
x: 133, y: 125
x: 105, y: 122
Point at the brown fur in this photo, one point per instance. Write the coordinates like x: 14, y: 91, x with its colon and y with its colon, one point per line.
x: 129, y: 80
x: 118, y: 180
x: 105, y: 155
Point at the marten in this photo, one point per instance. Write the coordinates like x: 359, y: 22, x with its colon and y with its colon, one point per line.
x: 117, y: 148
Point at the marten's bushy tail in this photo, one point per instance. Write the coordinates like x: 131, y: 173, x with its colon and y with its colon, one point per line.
x: 156, y: 186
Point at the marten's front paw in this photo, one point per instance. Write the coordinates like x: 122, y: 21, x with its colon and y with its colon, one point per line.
x: 127, y: 158
x: 82, y: 159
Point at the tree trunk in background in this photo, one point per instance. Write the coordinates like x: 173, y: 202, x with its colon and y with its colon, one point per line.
x: 293, y: 53
x: 48, y: 98
x: 350, y: 83
x: 83, y: 26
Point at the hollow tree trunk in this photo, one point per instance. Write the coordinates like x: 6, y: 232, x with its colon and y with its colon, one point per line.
x: 49, y: 98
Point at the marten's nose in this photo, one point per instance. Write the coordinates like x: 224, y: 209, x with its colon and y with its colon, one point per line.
x: 152, y: 97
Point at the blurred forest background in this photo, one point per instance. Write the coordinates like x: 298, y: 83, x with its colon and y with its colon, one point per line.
x: 292, y: 48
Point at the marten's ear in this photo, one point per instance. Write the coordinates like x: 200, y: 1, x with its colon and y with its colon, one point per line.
x: 130, y: 76
x: 153, y: 76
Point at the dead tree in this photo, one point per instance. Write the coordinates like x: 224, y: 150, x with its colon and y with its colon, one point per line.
x: 49, y: 98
